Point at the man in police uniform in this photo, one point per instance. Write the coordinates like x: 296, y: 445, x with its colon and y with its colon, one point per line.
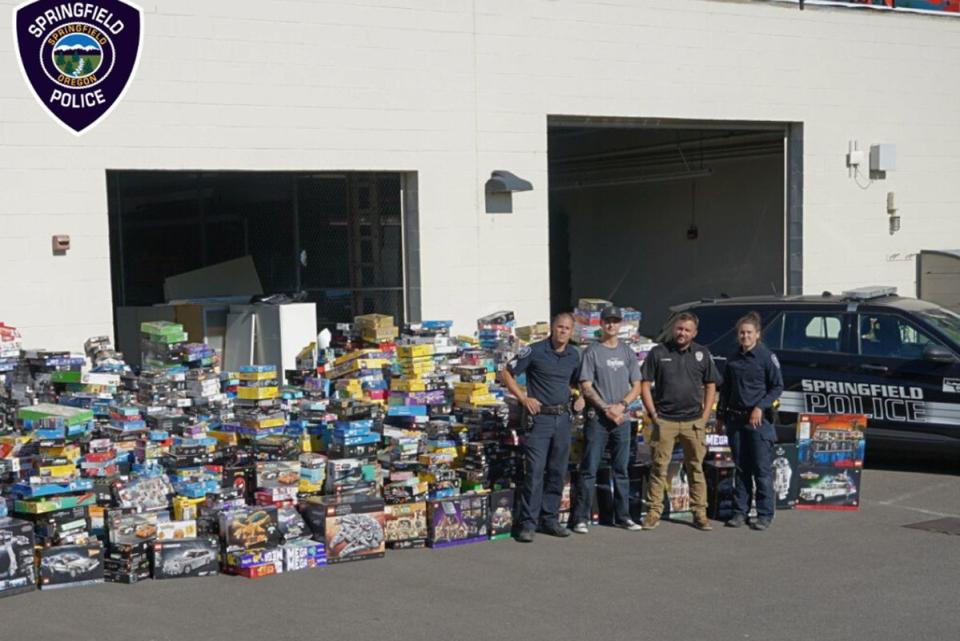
x: 553, y: 368
x: 679, y: 385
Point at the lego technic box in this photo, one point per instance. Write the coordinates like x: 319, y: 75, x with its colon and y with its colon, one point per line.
x: 828, y: 488
x: 405, y: 525
x: 786, y: 475
x: 458, y: 520
x: 350, y: 527
x: 501, y: 514
x: 17, y: 572
x: 185, y: 558
x: 71, y: 565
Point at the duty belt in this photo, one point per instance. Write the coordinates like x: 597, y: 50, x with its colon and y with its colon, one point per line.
x: 554, y: 410
x: 740, y: 413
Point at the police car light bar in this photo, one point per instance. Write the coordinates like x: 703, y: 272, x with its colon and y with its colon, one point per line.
x: 866, y: 293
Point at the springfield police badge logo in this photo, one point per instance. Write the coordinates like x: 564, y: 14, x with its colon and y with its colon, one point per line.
x: 78, y: 56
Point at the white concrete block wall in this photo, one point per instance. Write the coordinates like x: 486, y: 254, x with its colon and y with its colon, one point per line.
x: 453, y: 89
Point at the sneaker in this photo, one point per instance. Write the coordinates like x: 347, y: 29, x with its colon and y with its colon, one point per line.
x: 525, y: 536
x: 701, y: 522
x: 580, y: 528
x: 737, y: 520
x: 630, y: 524
x: 760, y: 524
x: 555, y: 529
x: 651, y: 520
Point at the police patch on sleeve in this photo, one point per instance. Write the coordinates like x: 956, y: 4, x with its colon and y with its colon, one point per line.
x: 773, y: 358
x: 523, y: 352
x: 699, y: 356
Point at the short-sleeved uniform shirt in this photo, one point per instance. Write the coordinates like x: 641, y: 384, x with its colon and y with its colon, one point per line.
x: 550, y: 373
x: 612, y: 370
x: 751, y: 379
x: 679, y: 378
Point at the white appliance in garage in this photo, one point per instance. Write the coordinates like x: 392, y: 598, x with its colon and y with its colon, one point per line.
x: 268, y: 334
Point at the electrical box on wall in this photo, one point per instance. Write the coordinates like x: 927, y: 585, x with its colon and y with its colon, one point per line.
x: 883, y: 158
x: 60, y: 243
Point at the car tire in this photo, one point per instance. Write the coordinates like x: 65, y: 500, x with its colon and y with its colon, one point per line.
x: 818, y: 498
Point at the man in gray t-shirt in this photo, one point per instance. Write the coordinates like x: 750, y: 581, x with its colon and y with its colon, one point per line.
x: 610, y: 380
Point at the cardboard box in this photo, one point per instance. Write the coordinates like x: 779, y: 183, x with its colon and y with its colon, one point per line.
x: 786, y: 475
x: 829, y: 488
x: 301, y: 555
x: 350, y: 527
x: 458, y: 520
x: 17, y: 572
x: 720, y: 477
x: 253, y: 528
x: 185, y: 558
x: 71, y: 565
x: 502, y: 513
x: 405, y: 525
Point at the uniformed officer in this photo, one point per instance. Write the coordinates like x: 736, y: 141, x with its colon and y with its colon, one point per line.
x: 752, y: 382
x: 610, y: 380
x: 679, y: 385
x: 553, y: 368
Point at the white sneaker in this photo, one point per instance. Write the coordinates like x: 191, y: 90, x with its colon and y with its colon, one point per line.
x: 580, y: 528
x: 630, y: 524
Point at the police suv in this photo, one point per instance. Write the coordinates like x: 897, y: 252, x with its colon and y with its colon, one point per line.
x: 866, y: 351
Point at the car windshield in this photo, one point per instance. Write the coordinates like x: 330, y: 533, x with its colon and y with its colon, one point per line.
x: 944, y: 320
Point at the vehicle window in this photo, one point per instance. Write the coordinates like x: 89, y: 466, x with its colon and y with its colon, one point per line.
x: 891, y: 336
x: 812, y: 331
x: 772, y: 334
x: 944, y: 320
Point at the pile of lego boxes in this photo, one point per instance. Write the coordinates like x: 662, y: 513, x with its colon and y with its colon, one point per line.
x: 389, y: 439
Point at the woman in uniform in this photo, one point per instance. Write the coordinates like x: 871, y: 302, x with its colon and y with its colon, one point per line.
x: 751, y: 385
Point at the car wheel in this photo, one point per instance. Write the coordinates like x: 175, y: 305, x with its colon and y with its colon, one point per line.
x: 818, y: 498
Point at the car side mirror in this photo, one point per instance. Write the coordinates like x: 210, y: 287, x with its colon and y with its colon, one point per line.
x: 938, y: 354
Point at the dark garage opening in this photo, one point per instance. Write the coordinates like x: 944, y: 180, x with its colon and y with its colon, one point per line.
x: 655, y: 213
x: 340, y: 238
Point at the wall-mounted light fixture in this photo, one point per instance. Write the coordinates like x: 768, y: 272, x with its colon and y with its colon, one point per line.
x: 892, y: 212
x: 499, y: 191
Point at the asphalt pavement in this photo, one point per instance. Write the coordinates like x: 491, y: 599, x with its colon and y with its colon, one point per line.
x: 813, y: 575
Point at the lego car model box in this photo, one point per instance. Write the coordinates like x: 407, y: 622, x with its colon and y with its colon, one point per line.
x: 17, y: 573
x: 185, y: 558
x: 69, y: 565
x: 458, y: 520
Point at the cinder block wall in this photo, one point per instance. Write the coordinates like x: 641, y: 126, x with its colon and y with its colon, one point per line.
x: 453, y: 89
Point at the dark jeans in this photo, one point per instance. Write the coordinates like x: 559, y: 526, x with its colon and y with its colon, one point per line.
x: 546, y: 451
x: 753, y: 456
x: 598, y: 431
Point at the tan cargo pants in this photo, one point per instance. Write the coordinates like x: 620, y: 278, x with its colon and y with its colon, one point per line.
x: 693, y: 440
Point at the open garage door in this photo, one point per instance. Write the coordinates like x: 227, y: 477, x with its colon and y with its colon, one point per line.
x: 652, y: 213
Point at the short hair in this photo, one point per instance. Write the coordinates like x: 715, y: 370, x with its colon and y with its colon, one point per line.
x: 750, y: 318
x: 556, y: 317
x: 687, y: 316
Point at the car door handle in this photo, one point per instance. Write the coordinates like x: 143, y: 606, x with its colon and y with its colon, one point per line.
x: 875, y: 368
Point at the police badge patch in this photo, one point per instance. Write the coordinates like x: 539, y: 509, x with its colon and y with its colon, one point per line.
x: 78, y: 57
x: 699, y: 356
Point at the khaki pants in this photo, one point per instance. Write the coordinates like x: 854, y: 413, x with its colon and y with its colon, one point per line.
x: 692, y: 437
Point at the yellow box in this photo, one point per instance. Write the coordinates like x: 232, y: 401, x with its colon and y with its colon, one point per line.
x: 186, y: 508
x: 414, y: 351
x: 257, y: 393
x: 257, y: 376
x: 373, y: 320
x: 408, y: 385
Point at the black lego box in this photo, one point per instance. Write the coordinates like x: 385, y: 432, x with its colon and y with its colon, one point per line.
x: 350, y: 527
x: 458, y: 520
x: 69, y: 565
x: 405, y: 525
x: 786, y: 476
x: 720, y: 477
x: 185, y: 558
x: 17, y: 572
x: 501, y: 513
x: 251, y: 528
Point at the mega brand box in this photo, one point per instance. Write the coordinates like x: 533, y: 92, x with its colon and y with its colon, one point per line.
x: 350, y: 527
x: 185, y: 558
x: 301, y: 555
x: 458, y: 520
x: 405, y: 525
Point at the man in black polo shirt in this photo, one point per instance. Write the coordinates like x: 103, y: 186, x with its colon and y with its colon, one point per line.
x: 679, y: 385
x: 553, y: 370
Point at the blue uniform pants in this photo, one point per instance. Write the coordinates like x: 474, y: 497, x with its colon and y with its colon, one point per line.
x: 753, y: 457
x: 546, y: 451
x: 598, y: 431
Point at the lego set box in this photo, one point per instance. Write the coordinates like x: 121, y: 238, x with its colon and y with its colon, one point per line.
x: 185, y: 558
x: 830, y: 452
x: 501, y: 513
x: 786, y: 475
x: 350, y: 527
x: 250, y: 528
x: 720, y: 489
x: 458, y: 520
x: 17, y: 571
x: 405, y: 525
x: 71, y: 565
